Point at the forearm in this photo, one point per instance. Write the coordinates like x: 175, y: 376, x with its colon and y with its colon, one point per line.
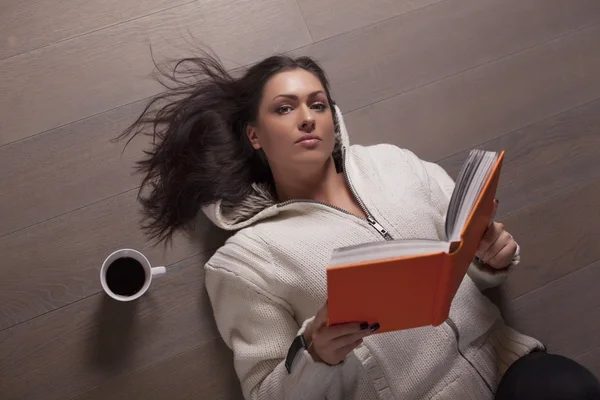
x: 260, y: 349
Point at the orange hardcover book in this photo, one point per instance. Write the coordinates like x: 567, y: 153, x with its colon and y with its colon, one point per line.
x: 411, y: 283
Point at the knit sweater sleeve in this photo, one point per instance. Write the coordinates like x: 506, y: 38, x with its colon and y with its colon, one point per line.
x: 259, y: 328
x: 482, y: 275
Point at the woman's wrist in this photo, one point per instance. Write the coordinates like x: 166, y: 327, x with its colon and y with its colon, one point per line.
x: 311, y: 350
x: 315, y: 356
x: 309, y: 347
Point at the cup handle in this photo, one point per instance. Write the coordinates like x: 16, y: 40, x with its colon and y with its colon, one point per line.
x: 158, y: 271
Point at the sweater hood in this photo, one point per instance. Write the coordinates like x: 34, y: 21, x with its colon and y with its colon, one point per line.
x: 260, y: 203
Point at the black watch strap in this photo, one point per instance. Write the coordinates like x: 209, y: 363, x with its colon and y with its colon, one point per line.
x: 298, y: 344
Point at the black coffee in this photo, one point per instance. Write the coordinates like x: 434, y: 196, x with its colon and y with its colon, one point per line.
x: 125, y: 276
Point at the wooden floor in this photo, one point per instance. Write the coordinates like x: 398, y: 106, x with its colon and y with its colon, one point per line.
x: 436, y: 76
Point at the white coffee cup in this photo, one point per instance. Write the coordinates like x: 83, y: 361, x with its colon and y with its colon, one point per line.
x: 149, y: 272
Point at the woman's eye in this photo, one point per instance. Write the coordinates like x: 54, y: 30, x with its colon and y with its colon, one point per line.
x: 283, y: 109
x: 319, y: 106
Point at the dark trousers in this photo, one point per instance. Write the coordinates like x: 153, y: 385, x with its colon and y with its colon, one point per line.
x: 543, y: 376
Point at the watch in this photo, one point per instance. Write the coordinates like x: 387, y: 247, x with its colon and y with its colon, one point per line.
x: 298, y: 344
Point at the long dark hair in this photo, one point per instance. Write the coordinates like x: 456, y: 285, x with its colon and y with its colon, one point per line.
x: 200, y: 151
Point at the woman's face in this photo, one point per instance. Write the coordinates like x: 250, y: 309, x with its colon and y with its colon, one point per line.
x: 295, y: 125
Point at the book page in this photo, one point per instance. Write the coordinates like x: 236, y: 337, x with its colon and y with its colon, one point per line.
x: 474, y: 173
x: 380, y: 251
x: 460, y: 191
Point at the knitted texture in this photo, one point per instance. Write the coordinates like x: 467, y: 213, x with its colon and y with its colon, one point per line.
x: 270, y: 278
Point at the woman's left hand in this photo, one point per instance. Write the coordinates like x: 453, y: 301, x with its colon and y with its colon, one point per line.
x: 497, y: 247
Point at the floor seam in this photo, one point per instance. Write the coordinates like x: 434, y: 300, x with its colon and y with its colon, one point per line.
x: 312, y: 39
x: 105, y: 27
x: 68, y: 212
x: 505, y: 56
x: 144, y: 368
x: 533, y: 291
x: 169, y: 266
x: 505, y: 134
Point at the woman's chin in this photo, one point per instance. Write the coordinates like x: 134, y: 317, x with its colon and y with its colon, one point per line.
x: 312, y: 157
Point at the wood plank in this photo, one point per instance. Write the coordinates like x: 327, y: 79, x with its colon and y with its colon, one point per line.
x: 57, y: 262
x: 591, y: 360
x: 91, y: 342
x: 329, y: 18
x: 404, y: 53
x: 28, y: 25
x: 544, y: 159
x: 205, y: 372
x: 101, y: 70
x: 557, y: 237
x: 67, y: 168
x: 481, y: 104
x: 562, y: 314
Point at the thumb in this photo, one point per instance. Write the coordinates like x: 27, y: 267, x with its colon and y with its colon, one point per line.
x: 321, y: 317
x: 494, y: 209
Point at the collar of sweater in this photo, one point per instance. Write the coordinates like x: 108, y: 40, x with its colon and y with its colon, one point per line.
x: 261, y: 204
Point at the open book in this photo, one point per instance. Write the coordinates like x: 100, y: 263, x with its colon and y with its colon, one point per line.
x: 410, y: 283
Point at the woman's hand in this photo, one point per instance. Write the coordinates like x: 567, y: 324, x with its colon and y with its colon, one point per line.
x: 497, y: 247
x: 331, y: 344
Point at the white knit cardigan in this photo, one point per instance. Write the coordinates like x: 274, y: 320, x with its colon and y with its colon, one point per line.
x: 269, y: 279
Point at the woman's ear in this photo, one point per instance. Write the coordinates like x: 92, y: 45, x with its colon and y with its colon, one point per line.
x: 252, y: 136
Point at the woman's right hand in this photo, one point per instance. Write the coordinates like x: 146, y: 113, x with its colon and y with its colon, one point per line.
x: 331, y: 344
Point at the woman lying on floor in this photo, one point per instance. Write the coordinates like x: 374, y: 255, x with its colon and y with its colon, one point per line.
x: 267, y: 155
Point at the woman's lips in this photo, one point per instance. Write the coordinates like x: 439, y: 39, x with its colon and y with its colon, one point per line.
x: 309, y: 141
x: 308, y: 137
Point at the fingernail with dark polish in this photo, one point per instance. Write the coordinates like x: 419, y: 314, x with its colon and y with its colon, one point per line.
x: 496, y: 201
x: 374, y: 327
x: 364, y: 325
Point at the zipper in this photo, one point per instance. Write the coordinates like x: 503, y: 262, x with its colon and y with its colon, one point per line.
x: 288, y: 202
x: 370, y: 220
x: 454, y: 328
x: 378, y: 227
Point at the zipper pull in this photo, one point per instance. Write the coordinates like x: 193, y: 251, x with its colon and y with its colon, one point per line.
x: 377, y: 227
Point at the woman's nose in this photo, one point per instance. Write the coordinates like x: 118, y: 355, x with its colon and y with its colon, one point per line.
x: 308, y: 125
